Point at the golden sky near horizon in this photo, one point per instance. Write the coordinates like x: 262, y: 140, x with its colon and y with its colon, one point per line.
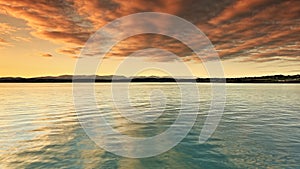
x: 252, y: 37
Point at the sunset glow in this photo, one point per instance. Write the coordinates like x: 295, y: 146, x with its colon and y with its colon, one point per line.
x: 253, y: 38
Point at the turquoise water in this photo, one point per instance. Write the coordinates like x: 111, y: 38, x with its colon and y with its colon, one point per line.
x: 260, y: 128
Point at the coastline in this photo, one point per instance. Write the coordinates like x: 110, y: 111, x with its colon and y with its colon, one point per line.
x: 122, y: 79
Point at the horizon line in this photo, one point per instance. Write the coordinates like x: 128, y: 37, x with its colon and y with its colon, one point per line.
x: 150, y: 76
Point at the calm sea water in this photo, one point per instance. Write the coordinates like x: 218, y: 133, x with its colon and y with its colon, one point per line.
x: 260, y: 128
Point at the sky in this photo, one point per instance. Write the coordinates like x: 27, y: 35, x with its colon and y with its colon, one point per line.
x: 251, y: 37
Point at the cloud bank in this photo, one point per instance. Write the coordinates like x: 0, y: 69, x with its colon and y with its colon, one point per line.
x: 247, y: 31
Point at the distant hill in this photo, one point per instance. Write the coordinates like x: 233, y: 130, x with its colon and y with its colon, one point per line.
x: 110, y: 78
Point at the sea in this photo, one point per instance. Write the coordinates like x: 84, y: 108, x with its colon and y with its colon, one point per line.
x: 40, y: 127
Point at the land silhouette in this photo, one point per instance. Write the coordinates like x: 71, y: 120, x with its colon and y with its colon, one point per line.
x: 111, y: 78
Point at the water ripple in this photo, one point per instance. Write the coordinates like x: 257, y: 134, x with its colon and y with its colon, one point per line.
x: 39, y: 128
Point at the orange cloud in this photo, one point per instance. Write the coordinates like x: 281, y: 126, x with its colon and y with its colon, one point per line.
x: 6, y: 34
x: 238, y: 8
x: 4, y: 43
x: 266, y: 27
x: 21, y: 39
x: 52, y: 20
x: 47, y: 55
x: 246, y: 30
x: 71, y: 51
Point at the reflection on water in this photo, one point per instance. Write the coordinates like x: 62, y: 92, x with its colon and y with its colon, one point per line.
x: 259, y: 129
